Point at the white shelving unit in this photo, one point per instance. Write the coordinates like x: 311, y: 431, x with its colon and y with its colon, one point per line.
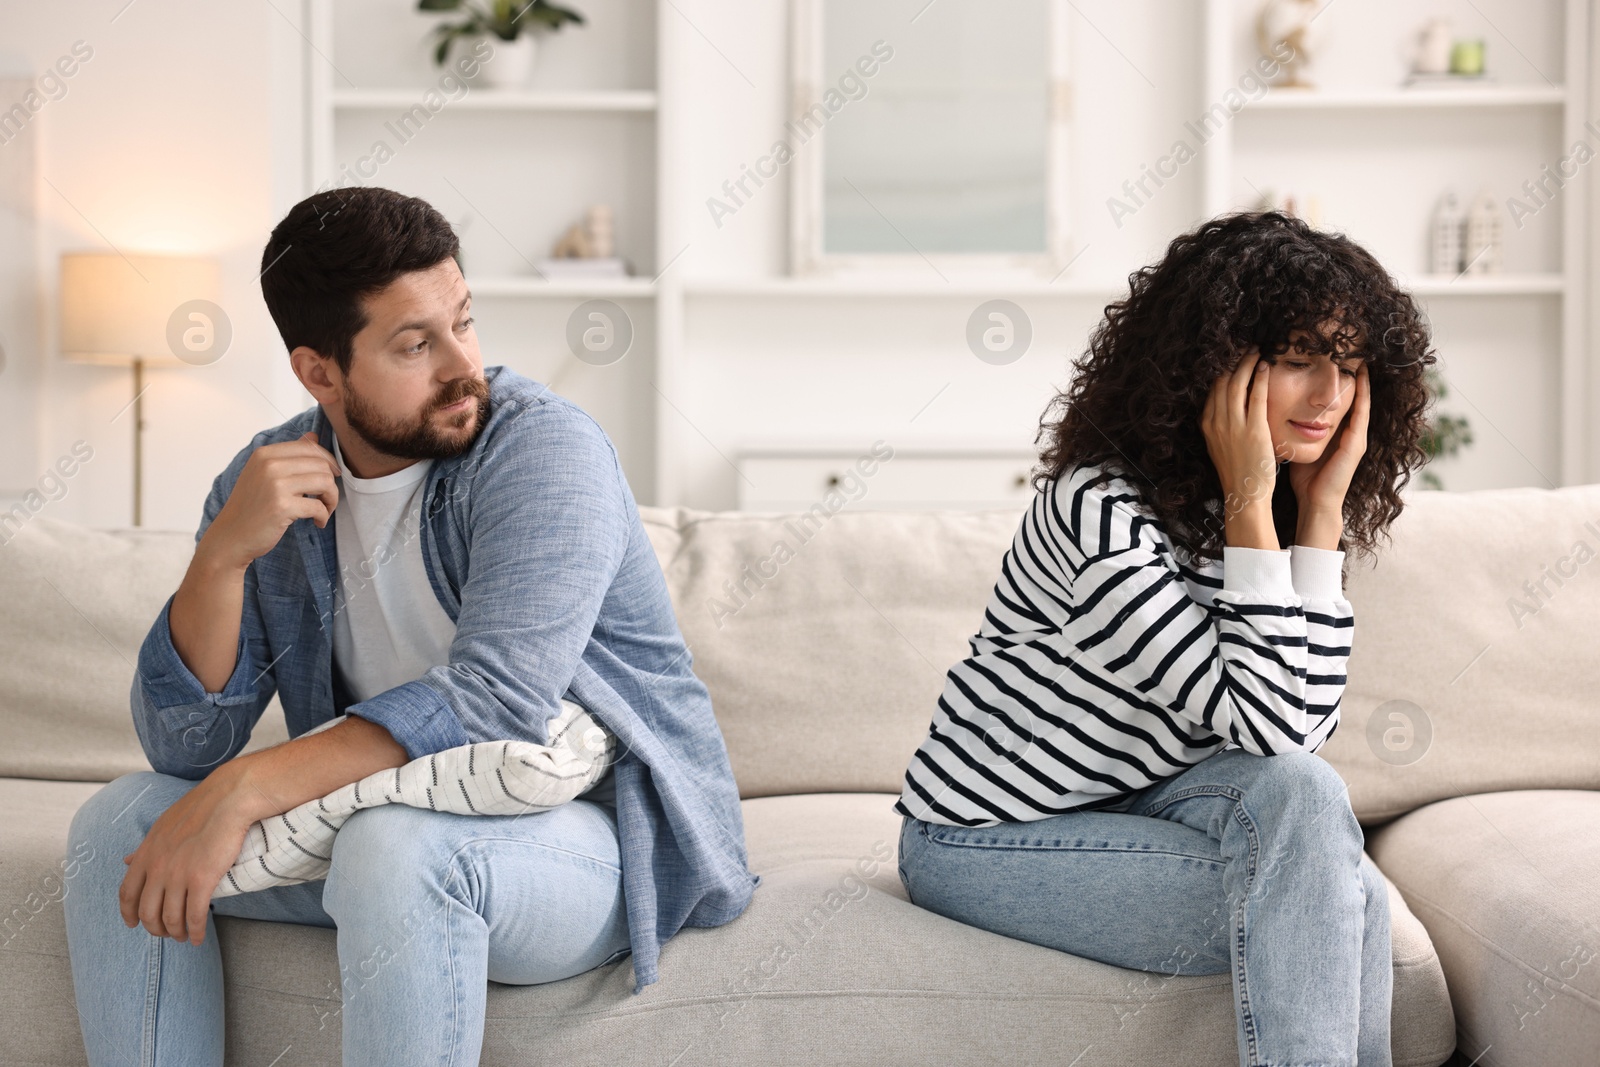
x: 514, y: 286
x: 501, y: 100
x: 512, y: 169
x: 917, y: 288
x: 1479, y: 97
x: 671, y: 97
x: 1552, y: 116
x: 1486, y: 285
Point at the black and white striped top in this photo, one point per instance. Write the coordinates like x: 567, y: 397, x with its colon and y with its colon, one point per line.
x: 1105, y: 664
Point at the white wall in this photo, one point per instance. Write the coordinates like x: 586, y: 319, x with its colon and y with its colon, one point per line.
x: 857, y: 369
x: 183, y: 134
x: 512, y: 182
x: 170, y: 139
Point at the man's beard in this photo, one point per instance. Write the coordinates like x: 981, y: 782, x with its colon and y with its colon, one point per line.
x: 419, y: 438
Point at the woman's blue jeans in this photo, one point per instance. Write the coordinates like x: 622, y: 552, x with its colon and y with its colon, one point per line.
x: 1242, y: 864
x: 429, y: 907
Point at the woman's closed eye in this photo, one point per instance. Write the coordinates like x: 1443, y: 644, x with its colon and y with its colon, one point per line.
x: 1348, y: 369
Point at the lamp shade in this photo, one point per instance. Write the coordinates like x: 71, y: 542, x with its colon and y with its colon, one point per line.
x: 115, y: 309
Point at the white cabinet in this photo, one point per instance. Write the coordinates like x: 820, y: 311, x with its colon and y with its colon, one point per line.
x: 794, y: 481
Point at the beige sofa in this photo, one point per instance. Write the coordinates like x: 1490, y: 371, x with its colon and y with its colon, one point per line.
x: 824, y: 669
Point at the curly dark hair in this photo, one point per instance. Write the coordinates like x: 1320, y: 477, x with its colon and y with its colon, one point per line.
x: 1240, y: 280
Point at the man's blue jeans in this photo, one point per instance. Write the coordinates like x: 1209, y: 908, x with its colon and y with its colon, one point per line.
x: 429, y: 907
x: 1242, y: 864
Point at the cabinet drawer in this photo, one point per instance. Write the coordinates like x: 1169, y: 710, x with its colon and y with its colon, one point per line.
x: 794, y: 481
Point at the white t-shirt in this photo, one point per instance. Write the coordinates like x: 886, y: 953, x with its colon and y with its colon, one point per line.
x: 388, y: 625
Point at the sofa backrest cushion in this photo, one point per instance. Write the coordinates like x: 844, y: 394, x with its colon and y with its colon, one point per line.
x: 825, y: 640
x: 75, y: 605
x: 1476, y: 665
x: 824, y: 668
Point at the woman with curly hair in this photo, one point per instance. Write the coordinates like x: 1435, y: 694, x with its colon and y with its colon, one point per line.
x: 1123, y: 766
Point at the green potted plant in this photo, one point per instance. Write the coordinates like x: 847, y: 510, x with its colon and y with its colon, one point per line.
x: 1445, y: 435
x: 513, y: 24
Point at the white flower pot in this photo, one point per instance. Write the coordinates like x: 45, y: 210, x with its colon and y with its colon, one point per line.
x: 511, y: 63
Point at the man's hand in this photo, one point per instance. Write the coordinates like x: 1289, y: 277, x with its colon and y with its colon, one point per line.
x: 279, y: 484
x: 174, y: 871
x: 269, y: 495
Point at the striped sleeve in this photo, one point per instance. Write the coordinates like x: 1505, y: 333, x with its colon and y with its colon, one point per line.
x: 1330, y: 626
x: 1263, y: 669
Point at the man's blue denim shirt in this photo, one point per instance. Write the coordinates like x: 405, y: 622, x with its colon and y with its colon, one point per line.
x: 534, y: 546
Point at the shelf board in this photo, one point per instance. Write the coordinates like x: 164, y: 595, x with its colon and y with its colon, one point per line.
x: 1486, y: 96
x: 1484, y: 284
x: 500, y: 100
x: 532, y: 287
x: 831, y: 288
x: 903, y: 287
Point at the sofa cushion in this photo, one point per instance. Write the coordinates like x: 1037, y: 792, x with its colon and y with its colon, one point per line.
x: 1508, y: 886
x: 824, y: 641
x: 79, y: 602
x: 825, y: 644
x: 1473, y: 666
x: 831, y: 964
x: 38, y: 1015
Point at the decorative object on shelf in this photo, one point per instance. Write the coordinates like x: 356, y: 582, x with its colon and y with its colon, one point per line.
x: 1444, y: 435
x: 1437, y: 58
x: 1467, y: 56
x: 1293, y: 203
x: 1465, y: 241
x: 1482, y: 252
x: 587, y: 249
x: 602, y: 232
x: 593, y: 238
x: 513, y: 24
x: 1431, y: 53
x: 582, y: 269
x: 1448, y: 235
x: 1290, y: 25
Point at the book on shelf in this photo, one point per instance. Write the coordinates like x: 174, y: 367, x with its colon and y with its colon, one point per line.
x: 581, y: 269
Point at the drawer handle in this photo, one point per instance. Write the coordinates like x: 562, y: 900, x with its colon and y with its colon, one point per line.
x: 1021, y: 482
x: 833, y: 481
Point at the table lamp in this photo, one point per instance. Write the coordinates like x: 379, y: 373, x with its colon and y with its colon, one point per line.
x: 117, y: 309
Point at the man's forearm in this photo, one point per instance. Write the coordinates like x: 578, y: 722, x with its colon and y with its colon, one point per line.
x: 206, y: 615
x: 273, y: 780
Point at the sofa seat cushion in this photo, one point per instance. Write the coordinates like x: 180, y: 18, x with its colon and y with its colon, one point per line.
x: 38, y: 1016
x: 1508, y: 886
x: 830, y: 964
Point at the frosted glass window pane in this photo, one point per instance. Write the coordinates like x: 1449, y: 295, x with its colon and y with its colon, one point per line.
x: 946, y: 151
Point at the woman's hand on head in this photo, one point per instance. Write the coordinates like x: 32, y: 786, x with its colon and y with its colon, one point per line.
x: 1321, y: 485
x: 1237, y: 434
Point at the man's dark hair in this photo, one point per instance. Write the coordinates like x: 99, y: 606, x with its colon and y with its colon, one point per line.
x: 335, y: 247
